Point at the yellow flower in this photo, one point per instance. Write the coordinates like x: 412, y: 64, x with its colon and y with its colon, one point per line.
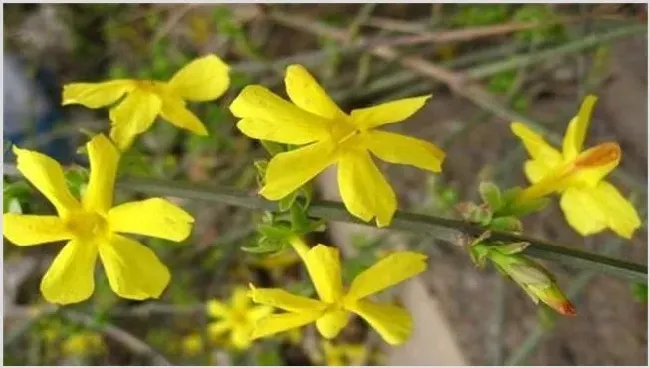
x: 192, y: 344
x: 590, y: 203
x: 344, y: 354
x: 329, y: 136
x: 332, y: 311
x: 203, y: 79
x: 85, y: 343
x: 92, y: 228
x: 239, y: 318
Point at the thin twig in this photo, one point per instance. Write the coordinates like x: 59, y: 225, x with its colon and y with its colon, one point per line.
x: 441, y: 228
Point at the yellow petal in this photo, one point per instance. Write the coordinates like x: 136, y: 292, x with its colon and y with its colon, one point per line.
x: 155, y: 217
x: 104, y: 157
x: 217, y: 309
x: 133, y: 116
x: 267, y: 116
x: 597, y: 162
x: 306, y: 93
x: 591, y: 210
x: 216, y: 329
x: 71, y: 277
x: 287, y: 171
x: 622, y: 217
x: 281, y: 299
x: 258, y: 312
x: 177, y: 113
x: 389, y: 271
x: 536, y: 145
x: 575, y: 134
x: 241, y: 337
x: 240, y: 299
x: 134, y: 271
x: 283, y: 322
x: 394, y: 324
x: 400, y: 149
x: 203, y: 79
x: 581, y: 212
x: 33, y: 230
x: 95, y: 95
x: 47, y: 176
x: 324, y: 266
x: 536, y: 170
x: 331, y: 323
x: 364, y: 190
x: 387, y: 113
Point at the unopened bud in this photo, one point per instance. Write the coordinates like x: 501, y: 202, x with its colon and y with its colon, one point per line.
x: 536, y: 281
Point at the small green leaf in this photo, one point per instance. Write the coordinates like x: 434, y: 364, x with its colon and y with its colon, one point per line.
x: 509, y: 223
x: 491, y: 195
x: 266, y: 245
x: 529, y: 207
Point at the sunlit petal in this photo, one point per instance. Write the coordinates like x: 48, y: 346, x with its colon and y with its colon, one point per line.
x: 287, y: 171
x: 387, y: 113
x: 307, y: 94
x: 267, y: 116
x: 47, y: 176
x: 389, y: 271
x: 400, y: 149
x: 34, y: 230
x: 95, y: 95
x: 364, y: 190
x: 203, y: 79
x: 134, y: 271
x: 155, y: 217
x: 71, y: 277
x: 104, y: 157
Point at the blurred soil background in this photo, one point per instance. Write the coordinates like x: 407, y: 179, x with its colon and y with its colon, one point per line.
x: 486, y: 66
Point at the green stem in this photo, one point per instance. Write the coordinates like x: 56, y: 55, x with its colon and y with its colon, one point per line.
x: 440, y: 228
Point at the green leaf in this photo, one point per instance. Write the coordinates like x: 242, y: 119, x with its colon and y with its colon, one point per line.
x: 266, y: 245
x: 509, y: 223
x: 491, y: 195
x: 529, y: 207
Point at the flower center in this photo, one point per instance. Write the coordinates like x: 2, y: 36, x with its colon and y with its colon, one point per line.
x: 88, y: 225
x: 345, y: 134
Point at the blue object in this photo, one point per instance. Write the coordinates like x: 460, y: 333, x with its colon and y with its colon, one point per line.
x: 31, y: 110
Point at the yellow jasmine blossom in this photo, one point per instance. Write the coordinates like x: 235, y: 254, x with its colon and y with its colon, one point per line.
x: 344, y: 354
x: 590, y: 203
x: 82, y: 344
x: 329, y: 136
x: 335, y: 306
x: 92, y: 228
x: 203, y: 79
x: 239, y: 318
x: 192, y: 344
